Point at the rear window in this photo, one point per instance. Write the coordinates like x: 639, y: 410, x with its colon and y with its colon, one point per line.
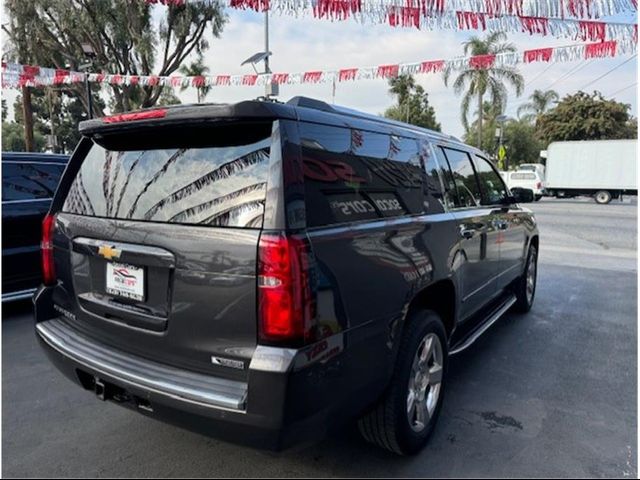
x: 523, y: 176
x: 354, y: 175
x: 222, y: 183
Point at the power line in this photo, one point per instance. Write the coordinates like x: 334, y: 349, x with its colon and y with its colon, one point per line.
x: 623, y: 89
x: 610, y: 71
x: 540, y: 74
x: 571, y: 72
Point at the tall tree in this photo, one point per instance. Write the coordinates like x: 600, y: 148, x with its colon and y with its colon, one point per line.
x: 56, y: 112
x: 587, y: 117
x: 197, y: 69
x: 539, y: 102
x: 478, y: 81
x: 122, y: 33
x: 413, y: 103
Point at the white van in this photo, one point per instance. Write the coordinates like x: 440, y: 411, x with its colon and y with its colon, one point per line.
x: 531, y: 179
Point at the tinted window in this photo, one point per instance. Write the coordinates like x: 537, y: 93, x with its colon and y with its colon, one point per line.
x: 493, y: 189
x: 462, y: 182
x: 353, y: 175
x: 222, y: 185
x: 29, y: 181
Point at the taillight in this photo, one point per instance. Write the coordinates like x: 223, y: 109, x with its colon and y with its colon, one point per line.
x: 46, y: 246
x: 286, y: 306
x: 539, y: 185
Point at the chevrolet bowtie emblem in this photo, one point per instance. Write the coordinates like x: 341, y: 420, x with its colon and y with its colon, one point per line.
x: 109, y: 252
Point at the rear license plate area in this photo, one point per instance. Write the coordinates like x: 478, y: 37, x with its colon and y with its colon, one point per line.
x: 126, y: 281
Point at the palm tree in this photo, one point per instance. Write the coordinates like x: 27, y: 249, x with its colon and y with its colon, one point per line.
x: 196, y: 69
x: 539, y: 102
x: 476, y: 82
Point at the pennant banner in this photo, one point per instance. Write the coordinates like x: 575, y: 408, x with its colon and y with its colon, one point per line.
x: 571, y: 19
x: 16, y: 75
x: 343, y: 9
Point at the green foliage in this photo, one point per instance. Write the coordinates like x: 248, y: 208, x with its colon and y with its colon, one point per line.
x: 521, y: 142
x: 13, y: 138
x: 519, y: 137
x: 5, y: 110
x: 67, y: 109
x: 586, y: 117
x: 122, y: 34
x: 197, y: 69
x: 475, y: 83
x: 413, y: 104
x: 539, y: 102
x: 168, y: 98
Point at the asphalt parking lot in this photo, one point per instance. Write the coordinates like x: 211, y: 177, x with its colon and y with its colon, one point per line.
x: 551, y: 393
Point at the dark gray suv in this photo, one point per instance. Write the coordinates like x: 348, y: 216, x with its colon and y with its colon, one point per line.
x: 265, y: 272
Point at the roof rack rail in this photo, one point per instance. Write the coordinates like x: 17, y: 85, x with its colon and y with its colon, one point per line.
x: 312, y: 103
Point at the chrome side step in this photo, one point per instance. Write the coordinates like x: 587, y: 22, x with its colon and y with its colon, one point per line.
x: 20, y: 295
x: 485, y: 326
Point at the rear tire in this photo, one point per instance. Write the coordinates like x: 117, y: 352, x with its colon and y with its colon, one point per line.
x: 526, y: 285
x: 602, y: 197
x: 405, y: 416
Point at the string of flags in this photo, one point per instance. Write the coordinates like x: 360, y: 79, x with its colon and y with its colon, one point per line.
x: 341, y: 9
x: 573, y: 19
x: 17, y: 75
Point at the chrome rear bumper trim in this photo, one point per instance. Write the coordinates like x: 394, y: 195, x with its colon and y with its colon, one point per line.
x: 182, y: 385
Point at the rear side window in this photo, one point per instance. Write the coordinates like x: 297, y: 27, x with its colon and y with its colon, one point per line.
x: 462, y: 183
x: 493, y: 189
x: 222, y: 184
x: 352, y: 175
x: 29, y: 181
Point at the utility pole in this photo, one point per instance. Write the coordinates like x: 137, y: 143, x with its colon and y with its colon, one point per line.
x: 266, y: 41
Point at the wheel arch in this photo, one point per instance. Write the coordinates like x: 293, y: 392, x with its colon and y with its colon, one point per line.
x: 440, y: 297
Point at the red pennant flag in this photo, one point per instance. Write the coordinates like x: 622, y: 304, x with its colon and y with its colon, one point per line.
x: 388, y: 71
x: 432, y: 66
x: 249, y: 79
x: 534, y: 25
x: 347, y: 74
x: 153, y: 80
x: 134, y: 80
x: 600, y: 50
x: 593, y: 31
x: 223, y: 80
x: 482, y: 62
x: 197, y: 81
x: 538, y: 55
x: 279, y: 78
x: 60, y: 76
x: 311, y: 77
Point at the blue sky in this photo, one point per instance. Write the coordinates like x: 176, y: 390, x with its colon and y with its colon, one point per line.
x: 301, y: 44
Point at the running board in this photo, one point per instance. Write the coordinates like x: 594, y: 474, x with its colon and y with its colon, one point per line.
x: 477, y: 333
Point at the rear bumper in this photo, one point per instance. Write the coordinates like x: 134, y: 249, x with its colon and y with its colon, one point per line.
x: 280, y: 405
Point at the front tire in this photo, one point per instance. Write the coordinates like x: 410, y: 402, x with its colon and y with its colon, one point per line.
x: 526, y: 285
x: 405, y: 416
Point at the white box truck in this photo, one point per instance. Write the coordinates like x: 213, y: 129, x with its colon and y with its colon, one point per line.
x: 602, y: 169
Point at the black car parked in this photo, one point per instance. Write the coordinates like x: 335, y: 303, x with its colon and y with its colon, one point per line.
x: 29, y: 181
x: 265, y: 272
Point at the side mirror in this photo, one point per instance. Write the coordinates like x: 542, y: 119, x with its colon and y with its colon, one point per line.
x: 522, y: 195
